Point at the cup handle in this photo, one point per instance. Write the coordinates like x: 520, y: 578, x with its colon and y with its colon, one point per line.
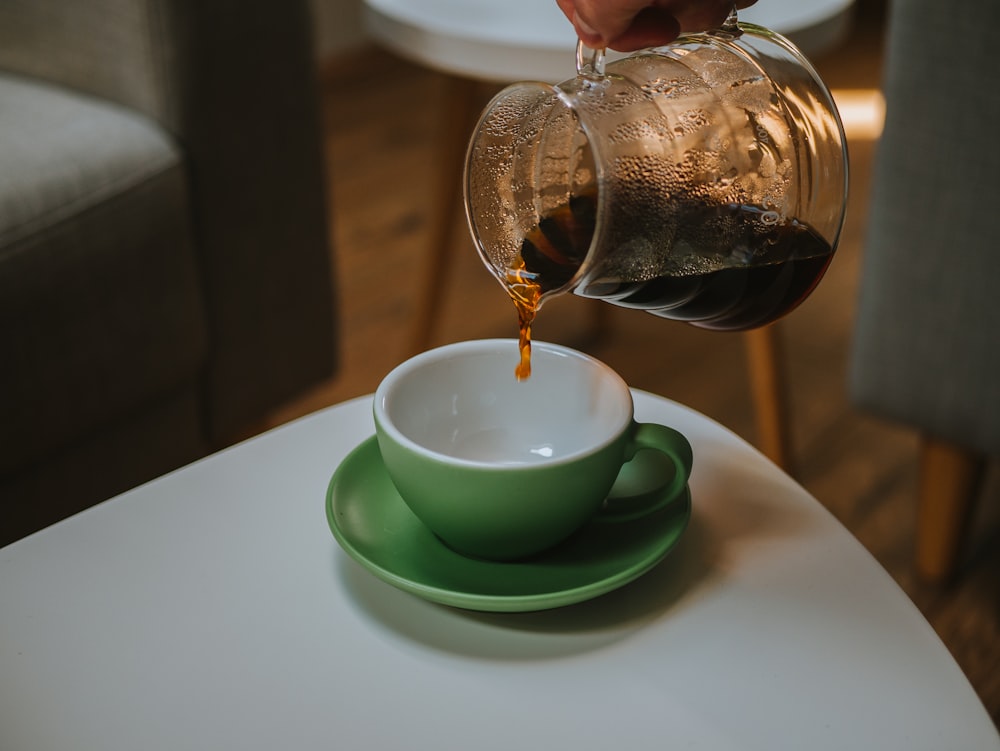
x: 626, y: 503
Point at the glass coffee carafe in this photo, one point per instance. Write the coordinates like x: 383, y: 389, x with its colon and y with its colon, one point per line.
x: 703, y: 181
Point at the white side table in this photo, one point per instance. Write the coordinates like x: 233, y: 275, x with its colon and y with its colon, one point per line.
x: 212, y: 609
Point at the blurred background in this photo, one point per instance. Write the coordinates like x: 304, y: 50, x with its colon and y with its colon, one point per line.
x: 150, y: 324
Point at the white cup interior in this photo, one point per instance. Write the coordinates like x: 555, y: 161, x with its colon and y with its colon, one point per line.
x: 463, y: 402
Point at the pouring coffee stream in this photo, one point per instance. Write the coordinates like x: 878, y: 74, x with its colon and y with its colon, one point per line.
x: 704, y: 181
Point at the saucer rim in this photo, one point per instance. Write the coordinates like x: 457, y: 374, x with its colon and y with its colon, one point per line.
x: 467, y: 600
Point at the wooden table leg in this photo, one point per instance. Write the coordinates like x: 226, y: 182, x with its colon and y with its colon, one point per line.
x: 949, y: 484
x: 770, y: 394
x: 459, y: 112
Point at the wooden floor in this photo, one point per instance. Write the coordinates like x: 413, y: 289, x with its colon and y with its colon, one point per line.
x: 382, y: 115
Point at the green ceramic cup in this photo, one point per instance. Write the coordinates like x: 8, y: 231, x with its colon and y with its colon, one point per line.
x: 499, y: 468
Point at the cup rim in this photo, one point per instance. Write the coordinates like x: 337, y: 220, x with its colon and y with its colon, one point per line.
x: 383, y: 422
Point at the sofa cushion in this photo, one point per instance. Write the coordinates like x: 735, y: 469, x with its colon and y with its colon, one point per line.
x: 62, y: 152
x: 116, y: 50
x: 100, y: 307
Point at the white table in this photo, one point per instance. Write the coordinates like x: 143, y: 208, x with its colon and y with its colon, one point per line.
x: 212, y: 609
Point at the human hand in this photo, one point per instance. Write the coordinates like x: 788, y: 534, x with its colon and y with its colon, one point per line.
x: 627, y: 25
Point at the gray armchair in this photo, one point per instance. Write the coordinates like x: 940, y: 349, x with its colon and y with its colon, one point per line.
x: 927, y: 345
x: 165, y: 274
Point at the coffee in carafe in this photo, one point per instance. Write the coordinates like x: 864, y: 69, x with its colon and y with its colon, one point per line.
x: 704, y: 181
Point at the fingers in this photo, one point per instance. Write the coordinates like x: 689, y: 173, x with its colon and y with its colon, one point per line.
x: 627, y: 25
x: 651, y: 27
x: 703, y: 15
x: 599, y: 22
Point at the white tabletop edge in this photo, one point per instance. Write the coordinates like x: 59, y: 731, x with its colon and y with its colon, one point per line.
x: 770, y: 584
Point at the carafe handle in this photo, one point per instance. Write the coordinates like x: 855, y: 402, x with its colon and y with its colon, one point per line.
x: 732, y: 23
x: 589, y: 62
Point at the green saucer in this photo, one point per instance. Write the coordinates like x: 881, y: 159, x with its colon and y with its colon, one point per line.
x: 376, y: 528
